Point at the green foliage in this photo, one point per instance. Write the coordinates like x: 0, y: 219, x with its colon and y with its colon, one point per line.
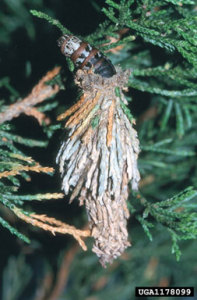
x: 14, y: 161
x: 5, y: 82
x: 50, y: 20
x: 14, y: 230
x: 176, y: 214
x: 95, y: 122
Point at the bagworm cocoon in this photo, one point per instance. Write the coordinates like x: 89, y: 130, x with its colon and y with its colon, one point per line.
x: 98, y: 159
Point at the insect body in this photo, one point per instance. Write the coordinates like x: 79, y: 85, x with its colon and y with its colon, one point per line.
x: 85, y: 56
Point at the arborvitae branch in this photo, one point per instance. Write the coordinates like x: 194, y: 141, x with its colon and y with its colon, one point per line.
x: 39, y: 93
x: 175, y: 214
x: 13, y: 230
x: 54, y: 22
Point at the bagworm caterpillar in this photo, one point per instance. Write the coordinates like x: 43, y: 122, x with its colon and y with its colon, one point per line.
x: 85, y: 56
x: 98, y: 159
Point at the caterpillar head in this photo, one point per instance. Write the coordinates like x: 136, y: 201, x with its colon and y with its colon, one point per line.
x: 68, y: 44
